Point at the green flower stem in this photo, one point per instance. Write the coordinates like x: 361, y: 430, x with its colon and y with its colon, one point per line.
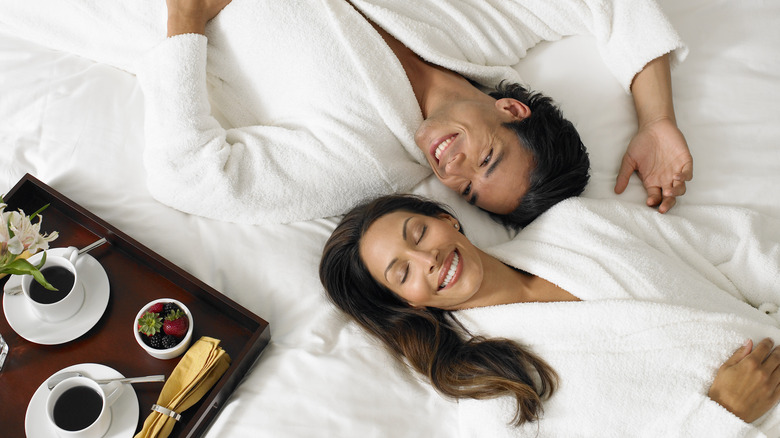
x: 21, y: 266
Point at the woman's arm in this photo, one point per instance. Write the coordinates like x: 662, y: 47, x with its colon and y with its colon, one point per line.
x: 658, y: 152
x: 745, y: 388
x: 748, y: 383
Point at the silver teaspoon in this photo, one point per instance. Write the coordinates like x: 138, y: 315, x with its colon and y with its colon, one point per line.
x: 54, y: 380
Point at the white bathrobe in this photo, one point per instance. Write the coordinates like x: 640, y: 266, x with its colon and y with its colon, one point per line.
x: 293, y: 110
x: 666, y: 300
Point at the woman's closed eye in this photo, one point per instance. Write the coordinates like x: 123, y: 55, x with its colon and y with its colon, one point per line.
x: 422, y: 233
x: 416, y: 242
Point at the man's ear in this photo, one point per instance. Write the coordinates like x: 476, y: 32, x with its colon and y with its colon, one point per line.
x: 518, y: 110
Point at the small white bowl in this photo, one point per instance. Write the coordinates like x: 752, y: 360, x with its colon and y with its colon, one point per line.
x: 167, y: 353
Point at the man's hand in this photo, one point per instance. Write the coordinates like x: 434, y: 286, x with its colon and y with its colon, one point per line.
x: 191, y: 16
x: 660, y: 156
x: 658, y: 152
x: 748, y: 383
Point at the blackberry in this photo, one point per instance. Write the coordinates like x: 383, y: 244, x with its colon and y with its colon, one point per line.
x: 155, y: 341
x: 169, y: 307
x: 169, y: 341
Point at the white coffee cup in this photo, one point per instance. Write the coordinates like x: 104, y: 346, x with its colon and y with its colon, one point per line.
x: 71, y: 303
x: 66, y: 422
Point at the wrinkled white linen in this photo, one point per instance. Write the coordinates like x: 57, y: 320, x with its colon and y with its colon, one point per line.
x: 78, y: 126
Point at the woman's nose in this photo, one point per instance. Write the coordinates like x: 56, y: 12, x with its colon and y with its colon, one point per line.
x: 428, y: 259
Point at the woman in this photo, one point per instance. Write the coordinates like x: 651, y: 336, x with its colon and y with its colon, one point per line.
x: 597, y: 319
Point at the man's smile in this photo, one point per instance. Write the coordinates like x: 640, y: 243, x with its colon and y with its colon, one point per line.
x: 440, y: 145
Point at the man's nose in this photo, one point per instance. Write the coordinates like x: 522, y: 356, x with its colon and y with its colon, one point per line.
x: 457, y: 166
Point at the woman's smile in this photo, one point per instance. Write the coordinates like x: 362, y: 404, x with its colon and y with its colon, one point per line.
x: 451, y: 269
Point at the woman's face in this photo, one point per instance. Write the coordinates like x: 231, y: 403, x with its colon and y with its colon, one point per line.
x: 424, y: 260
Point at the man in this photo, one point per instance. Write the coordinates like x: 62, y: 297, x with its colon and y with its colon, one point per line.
x: 467, y: 137
x: 297, y: 110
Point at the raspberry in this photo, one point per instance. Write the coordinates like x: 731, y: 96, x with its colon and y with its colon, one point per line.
x: 155, y: 308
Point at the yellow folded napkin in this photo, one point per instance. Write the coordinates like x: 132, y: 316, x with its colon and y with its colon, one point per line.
x: 200, y: 368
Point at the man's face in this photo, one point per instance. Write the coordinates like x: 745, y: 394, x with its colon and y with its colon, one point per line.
x: 471, y: 152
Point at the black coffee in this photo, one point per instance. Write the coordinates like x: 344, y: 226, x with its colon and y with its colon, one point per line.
x: 59, y: 277
x: 77, y: 408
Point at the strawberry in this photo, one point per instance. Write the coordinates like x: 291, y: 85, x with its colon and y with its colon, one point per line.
x: 149, y: 324
x: 176, y: 324
x: 155, y: 308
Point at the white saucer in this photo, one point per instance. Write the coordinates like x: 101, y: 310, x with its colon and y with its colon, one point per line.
x: 124, y: 412
x: 23, y: 321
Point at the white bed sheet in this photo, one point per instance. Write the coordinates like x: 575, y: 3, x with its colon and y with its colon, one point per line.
x: 77, y: 125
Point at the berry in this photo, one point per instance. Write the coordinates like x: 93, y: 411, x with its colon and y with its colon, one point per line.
x: 176, y: 324
x: 149, y: 323
x: 169, y: 341
x: 155, y: 308
x: 155, y: 341
x: 170, y: 307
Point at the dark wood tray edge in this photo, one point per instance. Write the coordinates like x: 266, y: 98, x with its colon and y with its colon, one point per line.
x: 225, y: 387
x: 101, y: 227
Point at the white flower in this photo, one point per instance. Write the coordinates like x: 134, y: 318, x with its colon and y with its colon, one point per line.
x: 5, y: 236
x: 28, y: 234
x: 19, y: 234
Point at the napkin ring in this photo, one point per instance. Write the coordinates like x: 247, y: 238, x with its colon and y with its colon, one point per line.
x: 166, y: 411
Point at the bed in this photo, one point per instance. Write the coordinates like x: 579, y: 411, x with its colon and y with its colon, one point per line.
x: 77, y: 125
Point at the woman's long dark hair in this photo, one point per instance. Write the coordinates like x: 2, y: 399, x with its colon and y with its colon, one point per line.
x: 430, y: 340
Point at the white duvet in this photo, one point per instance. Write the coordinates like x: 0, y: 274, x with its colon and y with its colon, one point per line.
x: 78, y: 125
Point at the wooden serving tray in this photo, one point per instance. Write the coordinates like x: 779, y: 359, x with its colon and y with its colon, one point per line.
x: 136, y: 276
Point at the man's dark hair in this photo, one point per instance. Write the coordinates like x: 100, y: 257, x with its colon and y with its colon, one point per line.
x: 561, y: 161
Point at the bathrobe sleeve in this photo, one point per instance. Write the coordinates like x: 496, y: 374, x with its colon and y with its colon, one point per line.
x: 476, y: 37
x: 252, y: 174
x: 743, y: 247
x: 629, y: 34
x: 702, y: 417
x: 736, y: 249
x: 747, y: 252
